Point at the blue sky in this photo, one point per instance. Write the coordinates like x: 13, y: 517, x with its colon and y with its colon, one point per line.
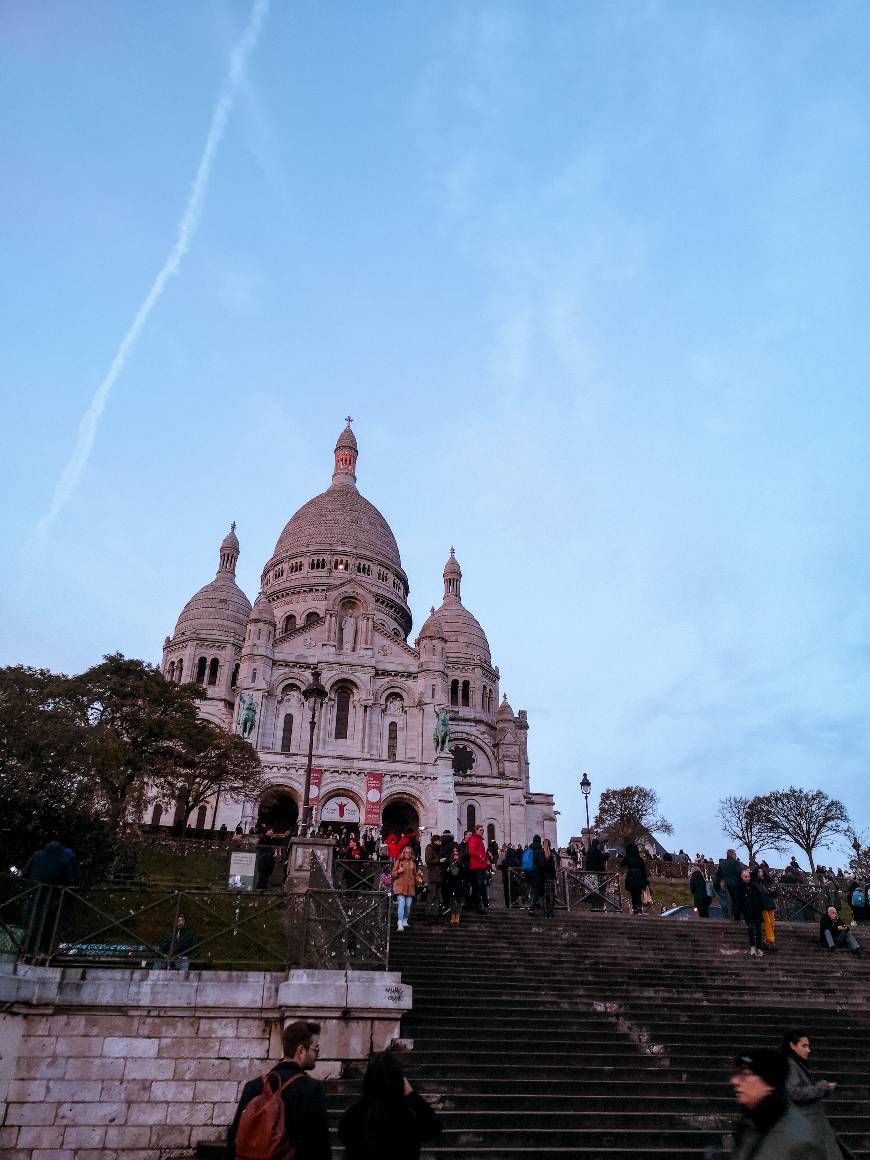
x: 591, y: 280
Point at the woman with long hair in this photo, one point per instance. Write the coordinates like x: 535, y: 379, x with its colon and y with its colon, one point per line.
x: 405, y: 883
x: 549, y: 865
x: 808, y: 1094
x: 767, y: 891
x: 391, y: 1120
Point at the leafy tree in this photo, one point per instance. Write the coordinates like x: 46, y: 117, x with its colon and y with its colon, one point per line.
x: 209, y: 761
x: 45, y: 788
x: 746, y: 823
x: 135, y: 723
x: 810, y: 820
x: 631, y: 813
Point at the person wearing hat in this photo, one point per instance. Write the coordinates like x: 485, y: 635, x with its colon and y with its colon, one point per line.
x: 771, y: 1127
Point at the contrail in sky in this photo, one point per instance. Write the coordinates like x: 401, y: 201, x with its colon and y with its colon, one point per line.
x: 186, y: 228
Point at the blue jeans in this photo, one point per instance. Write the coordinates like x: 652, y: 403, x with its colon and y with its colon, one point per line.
x: 405, y: 903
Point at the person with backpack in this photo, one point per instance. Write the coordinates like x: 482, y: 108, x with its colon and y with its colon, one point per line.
x: 282, y: 1114
x: 859, y: 901
x: 391, y: 1120
x: 533, y: 857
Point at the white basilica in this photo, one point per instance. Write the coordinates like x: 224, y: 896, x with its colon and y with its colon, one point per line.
x: 334, y: 595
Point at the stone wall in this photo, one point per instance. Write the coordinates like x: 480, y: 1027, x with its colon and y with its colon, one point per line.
x: 138, y: 1065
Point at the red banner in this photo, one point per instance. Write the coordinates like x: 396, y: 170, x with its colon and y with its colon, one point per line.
x: 374, y: 792
x: 314, y: 791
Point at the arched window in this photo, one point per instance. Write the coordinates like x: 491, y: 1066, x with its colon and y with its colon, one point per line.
x: 454, y: 692
x: 311, y: 618
x: 490, y: 832
x: 200, y: 817
x: 392, y: 741
x: 213, y: 671
x: 179, y: 669
x: 470, y: 816
x: 171, y: 673
x: 254, y: 675
x: 201, y: 665
x: 466, y: 693
x: 342, y: 713
x: 235, y: 679
x: 156, y: 814
x: 289, y: 623
x: 287, y: 733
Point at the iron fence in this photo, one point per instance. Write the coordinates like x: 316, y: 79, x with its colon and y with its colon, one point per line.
x: 575, y: 890
x: 134, y: 926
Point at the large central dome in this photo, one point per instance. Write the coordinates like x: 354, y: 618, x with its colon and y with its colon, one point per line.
x: 340, y: 519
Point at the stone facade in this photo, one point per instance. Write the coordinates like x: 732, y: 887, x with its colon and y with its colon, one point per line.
x: 334, y: 594
x: 144, y: 1064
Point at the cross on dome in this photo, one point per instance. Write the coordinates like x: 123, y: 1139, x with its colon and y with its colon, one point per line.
x: 348, y: 419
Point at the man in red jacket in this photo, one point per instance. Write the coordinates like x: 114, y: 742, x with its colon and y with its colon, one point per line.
x: 478, y: 868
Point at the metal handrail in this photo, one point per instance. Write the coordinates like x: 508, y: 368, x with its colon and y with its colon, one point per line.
x: 236, y: 930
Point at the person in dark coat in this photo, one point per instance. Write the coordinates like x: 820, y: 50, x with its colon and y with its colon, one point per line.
x: 636, y: 878
x: 265, y: 860
x: 304, y: 1103
x: 549, y: 867
x: 454, y: 885
x: 391, y: 1120
x: 52, y: 865
x: 700, y: 894
x: 434, y: 862
x: 807, y: 1095
x: 750, y: 902
x: 177, y: 947
x: 768, y: 892
x: 771, y: 1127
x: 727, y: 884
x: 833, y: 932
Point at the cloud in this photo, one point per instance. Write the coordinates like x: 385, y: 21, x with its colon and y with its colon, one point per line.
x: 186, y: 228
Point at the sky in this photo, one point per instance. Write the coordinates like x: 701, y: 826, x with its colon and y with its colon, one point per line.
x: 591, y: 280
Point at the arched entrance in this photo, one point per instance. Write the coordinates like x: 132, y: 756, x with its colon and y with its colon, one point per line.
x: 278, y: 811
x: 340, y: 815
x: 398, y: 817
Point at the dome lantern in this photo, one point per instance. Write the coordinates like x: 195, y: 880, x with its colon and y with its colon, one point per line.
x: 453, y: 578
x: 346, y: 452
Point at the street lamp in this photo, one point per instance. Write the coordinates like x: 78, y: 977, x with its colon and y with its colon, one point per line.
x: 586, y: 787
x: 314, y: 696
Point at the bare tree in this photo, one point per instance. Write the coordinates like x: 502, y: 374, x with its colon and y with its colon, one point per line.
x: 631, y: 813
x: 810, y: 820
x: 747, y: 825
x: 859, y: 863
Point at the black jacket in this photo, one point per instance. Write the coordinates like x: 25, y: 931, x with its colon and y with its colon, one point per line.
x: 51, y: 865
x: 698, y: 885
x: 595, y: 860
x: 304, y: 1112
x: 400, y: 1139
x: 635, y: 872
x: 835, y: 925
x: 454, y: 885
x: 775, y: 1130
x: 750, y: 901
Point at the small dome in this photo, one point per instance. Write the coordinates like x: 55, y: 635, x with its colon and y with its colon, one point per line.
x: 231, y: 540
x: 465, y: 638
x: 433, y: 627
x: 505, y: 712
x: 451, y: 568
x: 262, y: 611
x: 218, y: 609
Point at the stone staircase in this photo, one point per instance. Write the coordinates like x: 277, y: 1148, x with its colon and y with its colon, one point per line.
x: 609, y: 1036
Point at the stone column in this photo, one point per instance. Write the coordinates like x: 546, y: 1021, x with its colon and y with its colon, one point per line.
x: 447, y: 804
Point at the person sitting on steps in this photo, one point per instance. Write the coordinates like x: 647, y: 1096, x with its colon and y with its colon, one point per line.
x: 834, y: 933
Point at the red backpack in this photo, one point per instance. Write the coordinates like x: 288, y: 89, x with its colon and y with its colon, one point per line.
x: 262, y: 1131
